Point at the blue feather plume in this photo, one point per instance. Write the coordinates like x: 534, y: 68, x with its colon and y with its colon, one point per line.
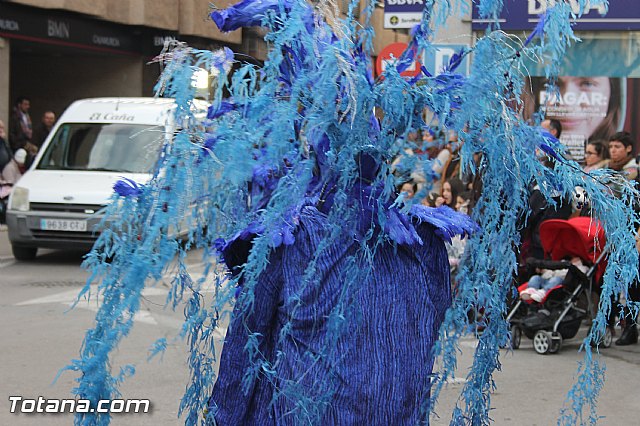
x: 299, y: 136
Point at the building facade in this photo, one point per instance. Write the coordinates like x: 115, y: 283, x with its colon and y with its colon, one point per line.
x: 57, y: 51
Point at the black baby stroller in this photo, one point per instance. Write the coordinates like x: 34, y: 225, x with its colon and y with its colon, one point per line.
x: 559, y: 314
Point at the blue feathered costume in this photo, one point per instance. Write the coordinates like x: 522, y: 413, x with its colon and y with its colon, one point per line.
x: 338, y: 285
x: 378, y: 370
x: 374, y: 368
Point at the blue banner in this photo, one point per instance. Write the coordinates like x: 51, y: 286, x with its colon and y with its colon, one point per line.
x: 623, y: 15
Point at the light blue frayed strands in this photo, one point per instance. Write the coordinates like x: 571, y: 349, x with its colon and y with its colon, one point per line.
x: 292, y: 154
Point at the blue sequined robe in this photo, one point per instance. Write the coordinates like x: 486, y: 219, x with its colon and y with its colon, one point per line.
x: 378, y: 370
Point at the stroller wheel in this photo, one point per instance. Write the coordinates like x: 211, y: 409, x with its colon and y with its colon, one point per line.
x: 542, y: 342
x: 556, y: 342
x: 604, y: 341
x: 516, y: 336
x: 607, y: 339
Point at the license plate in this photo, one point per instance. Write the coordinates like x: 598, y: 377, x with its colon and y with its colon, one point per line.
x: 63, y: 225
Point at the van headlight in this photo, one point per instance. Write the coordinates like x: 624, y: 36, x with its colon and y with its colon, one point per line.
x: 19, y: 199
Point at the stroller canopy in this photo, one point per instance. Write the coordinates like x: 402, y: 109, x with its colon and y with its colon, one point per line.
x: 580, y: 236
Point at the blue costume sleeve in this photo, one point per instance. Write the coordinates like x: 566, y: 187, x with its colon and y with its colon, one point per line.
x: 249, y: 337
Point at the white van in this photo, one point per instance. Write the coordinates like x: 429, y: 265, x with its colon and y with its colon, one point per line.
x: 60, y: 199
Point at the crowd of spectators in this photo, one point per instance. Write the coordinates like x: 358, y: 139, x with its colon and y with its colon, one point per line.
x: 446, y: 184
x: 19, y: 144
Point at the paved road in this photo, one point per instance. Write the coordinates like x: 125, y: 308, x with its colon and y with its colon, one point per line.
x: 40, y: 335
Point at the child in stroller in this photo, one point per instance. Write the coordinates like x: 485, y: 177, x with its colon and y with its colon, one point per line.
x: 548, y: 279
x: 559, y: 312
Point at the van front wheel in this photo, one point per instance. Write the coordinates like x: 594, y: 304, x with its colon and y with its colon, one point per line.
x: 24, y: 253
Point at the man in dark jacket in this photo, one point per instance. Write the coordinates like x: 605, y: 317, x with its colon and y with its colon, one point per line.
x: 20, y: 128
x: 43, y: 128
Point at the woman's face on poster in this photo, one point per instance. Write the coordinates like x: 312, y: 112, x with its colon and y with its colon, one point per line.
x: 583, y: 104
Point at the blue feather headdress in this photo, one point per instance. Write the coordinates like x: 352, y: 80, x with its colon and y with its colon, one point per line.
x: 302, y: 132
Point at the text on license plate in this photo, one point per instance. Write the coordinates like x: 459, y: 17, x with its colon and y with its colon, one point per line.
x: 63, y: 225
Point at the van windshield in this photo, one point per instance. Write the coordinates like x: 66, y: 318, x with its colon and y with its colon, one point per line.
x: 110, y: 147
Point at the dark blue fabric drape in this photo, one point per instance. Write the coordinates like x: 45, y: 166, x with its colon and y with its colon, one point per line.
x: 378, y: 370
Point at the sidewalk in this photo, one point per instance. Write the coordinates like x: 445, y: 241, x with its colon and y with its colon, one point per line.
x: 5, y: 247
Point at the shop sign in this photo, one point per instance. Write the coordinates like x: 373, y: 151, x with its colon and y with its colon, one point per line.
x: 402, y: 13
x: 46, y: 26
x: 155, y: 40
x: 390, y: 54
x: 623, y: 15
x: 438, y: 56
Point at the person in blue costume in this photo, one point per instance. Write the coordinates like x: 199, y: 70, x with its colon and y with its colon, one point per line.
x: 338, y: 286
x: 377, y: 368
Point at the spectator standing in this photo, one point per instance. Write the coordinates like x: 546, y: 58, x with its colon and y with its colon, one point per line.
x: 622, y: 160
x: 406, y: 165
x: 452, y: 169
x: 596, y: 155
x: 446, y: 164
x: 5, y: 151
x: 15, y: 168
x: 629, y: 334
x: 20, y: 128
x: 43, y: 128
x: 455, y: 249
x: 552, y: 126
x: 539, y: 211
x: 11, y: 173
x: 438, y: 168
x: 621, y: 153
x: 431, y: 140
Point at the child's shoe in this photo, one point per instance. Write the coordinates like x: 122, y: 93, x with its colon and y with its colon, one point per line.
x: 526, y: 293
x: 538, y: 295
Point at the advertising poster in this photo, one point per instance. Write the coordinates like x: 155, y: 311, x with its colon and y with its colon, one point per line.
x: 589, y: 108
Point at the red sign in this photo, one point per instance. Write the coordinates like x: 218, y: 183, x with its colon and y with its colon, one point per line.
x: 389, y: 54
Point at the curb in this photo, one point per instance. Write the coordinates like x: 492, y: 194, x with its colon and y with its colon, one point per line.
x: 6, y: 261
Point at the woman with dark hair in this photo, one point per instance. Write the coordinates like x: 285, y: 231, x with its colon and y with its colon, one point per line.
x: 596, y: 155
x: 449, y: 194
x: 409, y: 188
